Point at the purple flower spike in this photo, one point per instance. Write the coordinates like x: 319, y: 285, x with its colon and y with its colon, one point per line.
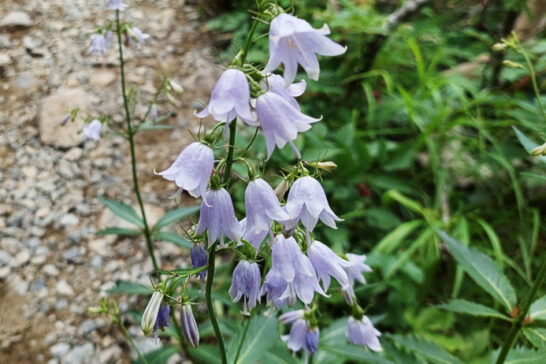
x: 280, y: 121
x: 327, y: 264
x: 100, y: 43
x: 275, y: 83
x: 262, y: 207
x: 312, y: 340
x: 307, y: 202
x: 92, y: 130
x: 230, y: 98
x: 362, y: 332
x: 192, y: 169
x: 292, y: 41
x: 246, y: 284
x: 295, y: 340
x: 116, y: 5
x: 273, y: 288
x: 189, y: 326
x: 199, y: 258
x: 218, y: 216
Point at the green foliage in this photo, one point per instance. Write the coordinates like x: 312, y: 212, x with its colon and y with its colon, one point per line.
x: 175, y: 215
x: 472, y: 308
x: 260, y: 337
x: 123, y: 210
x: 130, y: 288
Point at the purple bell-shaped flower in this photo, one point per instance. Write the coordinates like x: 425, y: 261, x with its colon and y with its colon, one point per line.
x: 246, y: 284
x: 362, y: 332
x: 218, y: 216
x: 327, y: 264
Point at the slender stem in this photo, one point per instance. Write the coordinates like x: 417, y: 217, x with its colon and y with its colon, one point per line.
x: 131, y: 341
x: 130, y: 136
x: 242, y: 339
x: 208, y: 298
x: 522, y: 314
x: 231, y: 148
x: 534, y: 80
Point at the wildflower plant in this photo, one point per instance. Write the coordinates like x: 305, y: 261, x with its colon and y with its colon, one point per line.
x: 279, y: 266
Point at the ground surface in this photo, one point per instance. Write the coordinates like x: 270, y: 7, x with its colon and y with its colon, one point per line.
x: 52, y: 265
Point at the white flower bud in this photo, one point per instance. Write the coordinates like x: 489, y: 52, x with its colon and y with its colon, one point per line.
x: 541, y: 150
x: 150, y: 313
x: 281, y: 189
x: 175, y: 86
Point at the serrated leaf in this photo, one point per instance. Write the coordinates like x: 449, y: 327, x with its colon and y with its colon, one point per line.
x: 483, y: 271
x: 527, y: 143
x: 425, y: 349
x: 521, y: 355
x: 122, y: 210
x: 537, y: 311
x: 536, y: 336
x: 159, y: 356
x: 472, y: 308
x: 175, y: 215
x: 129, y: 287
x: 353, y: 352
x: 118, y: 231
x: 256, y: 342
x: 172, y: 238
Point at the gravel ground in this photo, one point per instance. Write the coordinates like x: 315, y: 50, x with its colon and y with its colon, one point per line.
x: 52, y: 265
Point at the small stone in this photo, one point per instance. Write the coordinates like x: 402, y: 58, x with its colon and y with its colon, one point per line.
x: 72, y: 254
x: 96, y: 262
x: 87, y: 326
x: 5, y: 271
x: 16, y: 19
x: 111, y: 354
x: 61, y: 304
x: 99, y: 246
x: 18, y: 284
x: 38, y: 260
x: 5, y: 60
x: 37, y: 285
x: 5, y: 258
x: 21, y: 258
x: 69, y: 220
x: 60, y: 349
x: 102, y: 78
x: 64, y: 289
x: 50, y: 270
x: 73, y: 154
x: 80, y: 354
x: 25, y: 81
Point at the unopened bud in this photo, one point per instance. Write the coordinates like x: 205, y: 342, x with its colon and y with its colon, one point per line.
x: 176, y: 87
x: 172, y: 100
x: 539, y: 150
x: 511, y: 64
x: 497, y: 47
x: 150, y: 313
x: 281, y: 189
x: 189, y: 326
x: 327, y: 166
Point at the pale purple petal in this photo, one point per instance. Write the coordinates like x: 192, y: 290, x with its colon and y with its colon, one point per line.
x: 218, y: 216
x: 274, y: 287
x: 357, y: 267
x: 275, y: 83
x: 92, y: 130
x: 246, y: 283
x: 116, y: 5
x: 295, y: 340
x: 362, y: 332
x: 327, y: 264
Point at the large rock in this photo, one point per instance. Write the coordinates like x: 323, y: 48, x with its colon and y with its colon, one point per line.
x: 102, y: 78
x: 16, y: 19
x: 52, y: 111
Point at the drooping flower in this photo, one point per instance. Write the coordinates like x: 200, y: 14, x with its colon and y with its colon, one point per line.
x: 92, y: 130
x: 273, y: 288
x: 230, y: 98
x: 162, y: 319
x: 280, y: 121
x: 192, y: 169
x: 295, y: 340
x: 116, y: 5
x: 312, y: 339
x: 328, y: 264
x: 199, y: 258
x: 189, y: 326
x: 246, y: 284
x: 356, y: 268
x: 262, y: 207
x: 251, y: 236
x: 218, y: 216
x: 100, y: 43
x: 291, y: 316
x: 362, y: 332
x: 134, y: 34
x: 275, y: 83
x: 307, y: 202
x: 149, y: 316
x: 295, y: 269
x: 292, y: 41
x: 301, y: 335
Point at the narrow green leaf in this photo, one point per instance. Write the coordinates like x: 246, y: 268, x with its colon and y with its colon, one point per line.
x: 403, y: 200
x: 472, y: 308
x: 537, y: 311
x: 536, y: 336
x: 175, y: 215
x: 521, y: 355
x: 483, y: 271
x: 122, y: 210
x: 159, y: 356
x: 495, y: 242
x: 425, y: 349
x: 390, y: 242
x: 256, y: 342
x: 118, y: 231
x: 527, y: 143
x: 172, y: 238
x: 130, y: 288
x: 206, y: 353
x: 145, y: 126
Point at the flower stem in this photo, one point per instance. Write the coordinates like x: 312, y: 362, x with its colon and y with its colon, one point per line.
x: 242, y: 339
x: 131, y: 341
x: 130, y: 137
x: 522, y: 314
x: 208, y: 298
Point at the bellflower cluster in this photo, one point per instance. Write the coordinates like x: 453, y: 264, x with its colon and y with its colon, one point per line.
x: 302, y: 334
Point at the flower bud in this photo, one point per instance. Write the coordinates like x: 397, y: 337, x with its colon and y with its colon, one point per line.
x: 541, y: 150
x: 150, y: 313
x: 189, y: 326
x: 175, y: 86
x: 281, y: 189
x: 327, y: 166
x: 498, y: 47
x: 509, y: 63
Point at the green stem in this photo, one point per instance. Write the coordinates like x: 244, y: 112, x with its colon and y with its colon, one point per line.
x: 522, y: 314
x: 131, y: 341
x: 231, y: 148
x: 534, y: 80
x: 208, y: 298
x: 130, y: 137
x: 242, y: 339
